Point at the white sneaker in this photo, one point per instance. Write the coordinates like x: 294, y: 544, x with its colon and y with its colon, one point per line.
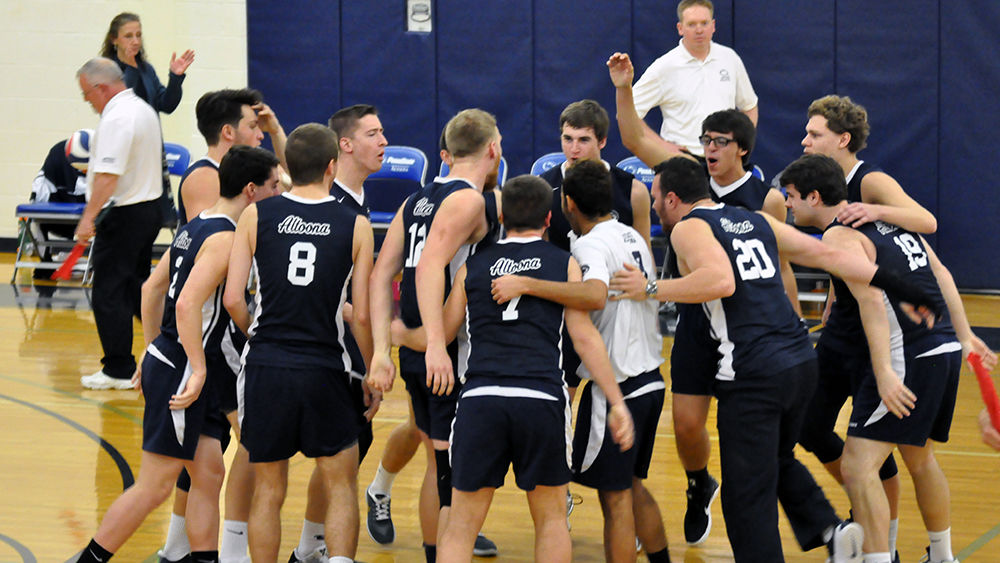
x: 845, y: 545
x: 101, y: 380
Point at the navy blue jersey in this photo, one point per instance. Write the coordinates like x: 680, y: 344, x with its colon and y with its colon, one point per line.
x: 748, y: 193
x: 183, y: 251
x: 621, y: 189
x: 521, y: 338
x: 345, y: 196
x: 861, y: 170
x: 902, y: 251
x: 341, y: 193
x: 757, y: 331
x: 304, y: 261
x: 843, y: 330
x: 200, y: 163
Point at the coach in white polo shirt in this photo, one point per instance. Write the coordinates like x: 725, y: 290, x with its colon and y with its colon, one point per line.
x: 694, y: 79
x: 124, y: 181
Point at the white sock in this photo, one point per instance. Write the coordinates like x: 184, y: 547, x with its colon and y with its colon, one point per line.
x: 341, y: 559
x: 177, y: 546
x: 234, y: 541
x: 313, y: 537
x: 878, y: 558
x: 940, y: 545
x: 382, y: 483
x: 893, y: 534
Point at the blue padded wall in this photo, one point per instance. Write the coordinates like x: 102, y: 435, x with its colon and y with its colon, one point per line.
x: 923, y: 68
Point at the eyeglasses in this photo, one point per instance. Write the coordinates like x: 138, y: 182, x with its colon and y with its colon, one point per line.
x: 721, y: 142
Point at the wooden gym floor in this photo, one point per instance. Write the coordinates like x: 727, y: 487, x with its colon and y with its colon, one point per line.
x: 67, y: 451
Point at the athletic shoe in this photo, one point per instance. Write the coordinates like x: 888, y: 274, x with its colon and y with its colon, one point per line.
x: 380, y: 527
x: 698, y: 517
x: 845, y: 545
x: 484, y: 547
x: 101, y: 380
x: 317, y: 556
x: 185, y: 559
x: 927, y: 558
x: 895, y: 557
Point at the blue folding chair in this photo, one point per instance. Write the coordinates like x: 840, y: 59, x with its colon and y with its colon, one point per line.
x: 403, y: 172
x: 501, y: 172
x: 644, y: 174
x: 547, y: 161
x: 178, y: 158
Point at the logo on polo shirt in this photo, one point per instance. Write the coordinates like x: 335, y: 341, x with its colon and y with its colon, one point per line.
x: 723, y: 75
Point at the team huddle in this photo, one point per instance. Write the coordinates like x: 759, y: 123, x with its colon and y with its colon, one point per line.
x: 270, y: 315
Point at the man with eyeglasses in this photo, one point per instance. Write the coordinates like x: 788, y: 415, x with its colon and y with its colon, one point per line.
x: 727, y: 138
x: 694, y: 79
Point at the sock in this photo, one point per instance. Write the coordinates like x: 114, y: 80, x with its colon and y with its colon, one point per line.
x: 940, y: 545
x: 234, y: 541
x: 341, y: 559
x: 176, y: 547
x: 662, y: 556
x: 204, y: 557
x: 94, y: 553
x: 382, y: 483
x: 878, y: 558
x: 893, y: 534
x: 430, y: 553
x: 698, y: 478
x: 313, y: 537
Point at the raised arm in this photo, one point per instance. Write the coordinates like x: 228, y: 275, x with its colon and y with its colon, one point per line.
x: 269, y: 124
x: 459, y: 219
x: 636, y: 135
x: 240, y: 261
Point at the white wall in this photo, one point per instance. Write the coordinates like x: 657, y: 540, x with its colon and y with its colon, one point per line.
x: 44, y: 43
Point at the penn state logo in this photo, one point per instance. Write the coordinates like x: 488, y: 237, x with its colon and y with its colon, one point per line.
x: 723, y: 75
x: 183, y: 241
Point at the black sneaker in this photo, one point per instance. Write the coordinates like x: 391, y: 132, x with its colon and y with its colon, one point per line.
x: 380, y: 527
x: 845, y: 544
x: 698, y: 517
x: 484, y: 547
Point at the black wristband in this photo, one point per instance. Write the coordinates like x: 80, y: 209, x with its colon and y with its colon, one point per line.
x: 904, y: 290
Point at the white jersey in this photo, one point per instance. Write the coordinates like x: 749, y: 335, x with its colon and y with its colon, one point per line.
x: 629, y: 328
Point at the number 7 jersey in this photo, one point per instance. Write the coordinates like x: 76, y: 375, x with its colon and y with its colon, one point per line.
x: 757, y: 330
x: 303, y: 263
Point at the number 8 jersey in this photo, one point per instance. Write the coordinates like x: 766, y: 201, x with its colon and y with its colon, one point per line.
x: 757, y: 330
x: 303, y: 263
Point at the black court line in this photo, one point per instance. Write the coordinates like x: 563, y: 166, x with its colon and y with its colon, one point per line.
x: 123, y: 467
x: 24, y: 552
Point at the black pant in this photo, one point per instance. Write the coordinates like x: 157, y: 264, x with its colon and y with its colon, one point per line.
x: 759, y: 420
x: 121, y: 258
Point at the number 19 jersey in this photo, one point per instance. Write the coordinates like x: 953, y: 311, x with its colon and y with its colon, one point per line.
x: 303, y: 263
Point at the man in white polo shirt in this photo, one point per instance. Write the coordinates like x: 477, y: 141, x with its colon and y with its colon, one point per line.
x: 694, y: 79
x: 124, y: 180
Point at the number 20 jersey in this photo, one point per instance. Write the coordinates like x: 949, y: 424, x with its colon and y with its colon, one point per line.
x: 304, y: 261
x: 757, y: 330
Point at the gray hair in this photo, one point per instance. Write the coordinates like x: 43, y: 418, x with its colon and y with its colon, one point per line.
x: 100, y: 70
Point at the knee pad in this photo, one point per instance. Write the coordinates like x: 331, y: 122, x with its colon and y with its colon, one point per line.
x: 888, y: 469
x: 826, y: 447
x: 444, y: 477
x: 184, y: 481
